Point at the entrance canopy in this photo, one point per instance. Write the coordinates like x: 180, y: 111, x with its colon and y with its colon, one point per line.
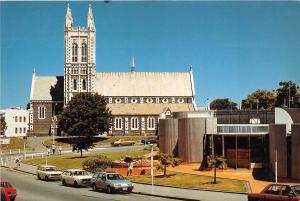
x: 243, y: 129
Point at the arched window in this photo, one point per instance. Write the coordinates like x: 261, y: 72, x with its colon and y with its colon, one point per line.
x: 84, y: 52
x: 151, y: 123
x: 118, y: 123
x: 74, y: 84
x: 42, y: 112
x: 74, y: 52
x: 134, y: 123
x: 83, y: 84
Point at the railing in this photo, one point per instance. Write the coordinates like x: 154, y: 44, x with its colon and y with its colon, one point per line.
x: 249, y: 129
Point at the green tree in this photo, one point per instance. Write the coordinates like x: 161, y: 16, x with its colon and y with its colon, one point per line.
x: 3, y: 125
x: 260, y: 99
x: 287, y: 92
x: 85, y: 116
x: 98, y: 163
x: 167, y: 160
x: 222, y: 104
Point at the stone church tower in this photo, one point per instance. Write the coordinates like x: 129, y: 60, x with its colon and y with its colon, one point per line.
x: 80, y: 60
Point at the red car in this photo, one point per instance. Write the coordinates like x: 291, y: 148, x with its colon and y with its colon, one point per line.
x: 8, y: 189
x: 276, y: 192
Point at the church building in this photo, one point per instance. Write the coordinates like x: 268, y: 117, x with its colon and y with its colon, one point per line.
x: 136, y: 99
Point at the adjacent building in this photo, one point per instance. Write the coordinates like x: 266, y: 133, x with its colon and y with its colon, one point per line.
x: 17, y: 120
x: 135, y: 98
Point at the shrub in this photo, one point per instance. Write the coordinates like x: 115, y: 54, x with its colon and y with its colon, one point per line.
x: 98, y: 163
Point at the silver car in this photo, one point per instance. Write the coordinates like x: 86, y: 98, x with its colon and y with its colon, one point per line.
x: 111, y: 182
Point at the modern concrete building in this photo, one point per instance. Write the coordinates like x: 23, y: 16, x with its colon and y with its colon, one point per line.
x: 16, y: 121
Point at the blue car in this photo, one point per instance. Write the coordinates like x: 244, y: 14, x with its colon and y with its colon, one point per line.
x: 111, y: 182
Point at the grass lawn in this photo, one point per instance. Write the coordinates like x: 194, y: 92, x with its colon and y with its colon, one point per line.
x: 194, y: 182
x: 16, y: 143
x: 68, y: 162
x: 103, y: 141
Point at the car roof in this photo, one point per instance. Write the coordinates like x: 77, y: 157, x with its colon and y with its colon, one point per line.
x: 285, y: 184
x: 73, y: 170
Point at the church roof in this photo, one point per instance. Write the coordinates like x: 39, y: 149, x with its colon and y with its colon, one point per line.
x: 148, y: 109
x: 144, y: 83
x: 47, y: 88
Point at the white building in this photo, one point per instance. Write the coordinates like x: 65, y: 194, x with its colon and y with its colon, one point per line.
x: 17, y: 120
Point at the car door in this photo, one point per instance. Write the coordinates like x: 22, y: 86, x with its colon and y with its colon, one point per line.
x: 102, y: 181
x: 96, y: 179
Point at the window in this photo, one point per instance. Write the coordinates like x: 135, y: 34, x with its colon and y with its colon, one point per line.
x: 41, y: 112
x: 134, y: 123
x: 74, y: 84
x: 74, y: 52
x: 24, y: 130
x: 16, y: 130
x: 118, y: 123
x: 151, y: 123
x: 83, y: 84
x: 16, y: 119
x: 20, y: 130
x: 84, y: 53
x: 24, y: 119
x: 20, y: 119
x: 273, y: 189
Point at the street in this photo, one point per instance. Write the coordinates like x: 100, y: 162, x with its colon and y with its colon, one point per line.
x: 31, y: 189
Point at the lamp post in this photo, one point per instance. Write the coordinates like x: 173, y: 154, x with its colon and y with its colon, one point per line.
x: 152, y: 171
x: 207, y: 99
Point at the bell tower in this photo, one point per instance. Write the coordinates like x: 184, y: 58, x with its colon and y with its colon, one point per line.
x: 80, y: 60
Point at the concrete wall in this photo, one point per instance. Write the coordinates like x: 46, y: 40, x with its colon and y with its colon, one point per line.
x: 277, y: 141
x: 168, y: 135
x: 295, y: 155
x: 190, y: 139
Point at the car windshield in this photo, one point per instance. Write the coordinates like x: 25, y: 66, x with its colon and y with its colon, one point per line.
x: 50, y: 169
x: 5, y: 185
x: 80, y: 173
x: 296, y: 189
x: 114, y: 177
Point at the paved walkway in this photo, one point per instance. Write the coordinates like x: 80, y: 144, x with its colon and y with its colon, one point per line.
x: 161, y: 191
x: 240, y: 174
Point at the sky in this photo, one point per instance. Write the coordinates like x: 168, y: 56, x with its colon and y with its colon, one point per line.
x: 234, y: 47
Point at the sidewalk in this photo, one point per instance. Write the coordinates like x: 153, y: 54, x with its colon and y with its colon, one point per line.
x: 160, y: 191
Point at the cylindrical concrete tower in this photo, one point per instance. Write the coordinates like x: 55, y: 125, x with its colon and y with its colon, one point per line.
x: 168, y: 135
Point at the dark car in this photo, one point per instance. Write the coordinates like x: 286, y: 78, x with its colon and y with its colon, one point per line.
x: 272, y: 192
x: 150, y: 140
x: 8, y: 189
x: 111, y: 182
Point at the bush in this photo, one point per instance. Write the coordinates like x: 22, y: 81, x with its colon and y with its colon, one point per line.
x: 98, y: 163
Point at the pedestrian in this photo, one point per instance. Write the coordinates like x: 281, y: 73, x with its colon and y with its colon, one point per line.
x: 53, y: 149
x: 59, y: 148
x: 130, y: 167
x: 48, y: 151
x: 17, y: 162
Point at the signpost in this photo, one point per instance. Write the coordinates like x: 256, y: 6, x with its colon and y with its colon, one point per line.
x: 152, y: 171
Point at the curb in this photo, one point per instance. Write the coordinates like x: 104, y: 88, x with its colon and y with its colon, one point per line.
x: 193, y: 188
x: 165, y: 196
x: 18, y: 170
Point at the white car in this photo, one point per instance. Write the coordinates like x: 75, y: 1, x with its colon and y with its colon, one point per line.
x: 76, y: 177
x: 48, y: 172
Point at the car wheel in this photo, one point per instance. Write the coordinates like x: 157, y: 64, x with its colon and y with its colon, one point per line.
x: 94, y: 187
x: 109, y: 190
x: 46, y: 178
x: 63, y: 182
x: 38, y: 177
x: 129, y: 190
x: 75, y: 184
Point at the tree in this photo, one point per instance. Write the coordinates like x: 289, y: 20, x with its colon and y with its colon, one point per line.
x: 287, y: 93
x: 3, y: 125
x: 223, y: 104
x: 167, y: 160
x: 85, y: 116
x: 260, y: 99
x: 216, y: 162
x: 98, y: 163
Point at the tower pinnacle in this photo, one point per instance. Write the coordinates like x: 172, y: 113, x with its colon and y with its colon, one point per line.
x: 69, y: 18
x: 90, y: 22
x: 132, y: 65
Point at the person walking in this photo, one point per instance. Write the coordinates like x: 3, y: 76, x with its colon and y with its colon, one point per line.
x: 130, y: 167
x: 59, y: 149
x: 53, y: 149
x: 48, y: 151
x: 17, y: 161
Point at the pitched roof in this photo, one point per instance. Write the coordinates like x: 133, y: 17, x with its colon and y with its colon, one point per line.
x: 46, y: 88
x: 148, y: 109
x: 144, y: 83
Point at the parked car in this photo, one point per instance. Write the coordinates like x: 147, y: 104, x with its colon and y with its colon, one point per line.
x: 8, y: 190
x: 111, y: 182
x: 284, y: 192
x: 76, y: 177
x: 122, y: 142
x: 149, y: 140
x: 48, y: 172
x: 4, y: 195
